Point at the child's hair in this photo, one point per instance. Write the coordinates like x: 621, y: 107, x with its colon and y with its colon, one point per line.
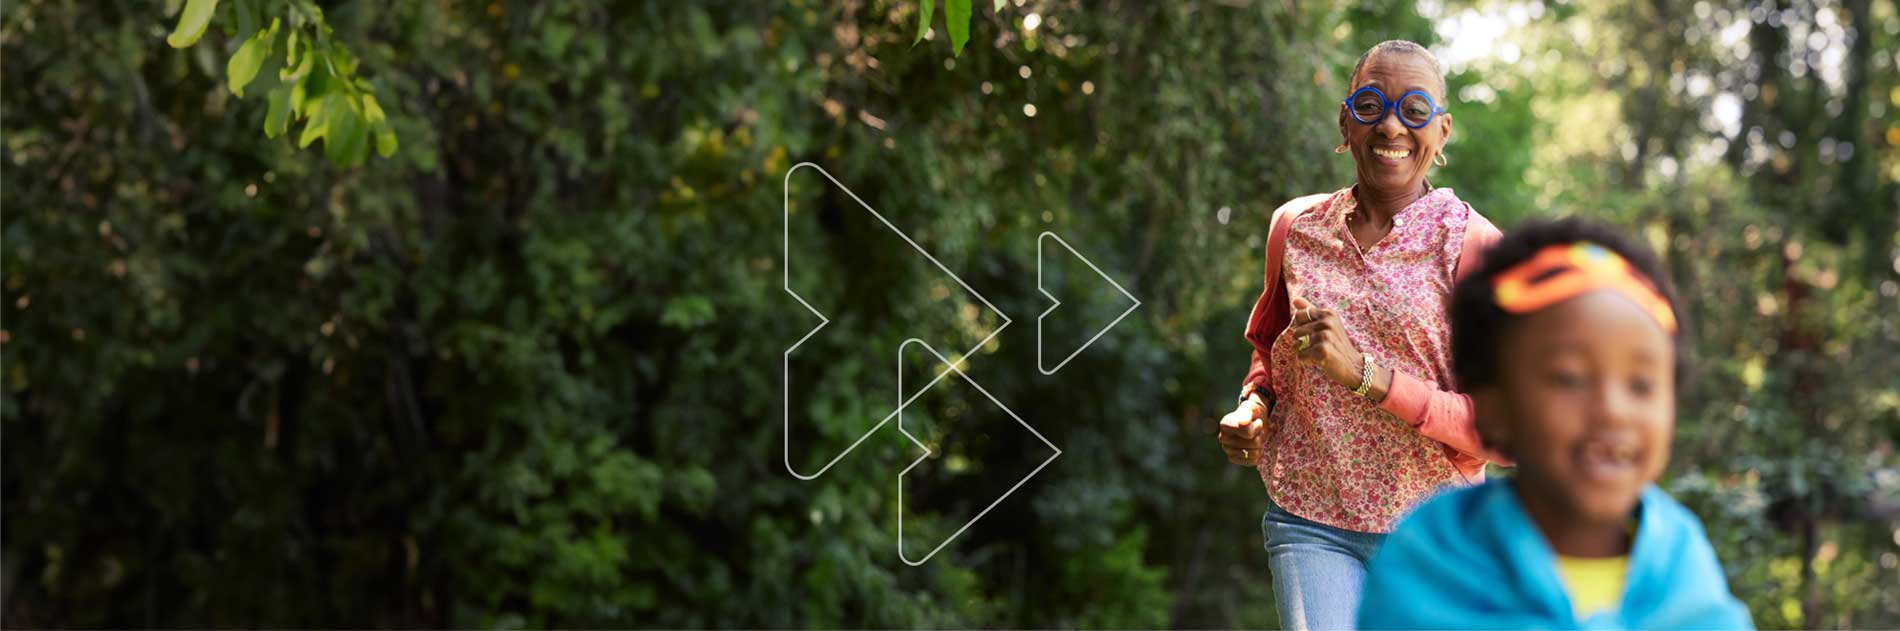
x: 1477, y: 322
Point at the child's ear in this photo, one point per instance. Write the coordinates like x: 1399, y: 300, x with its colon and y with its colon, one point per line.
x: 1494, y: 431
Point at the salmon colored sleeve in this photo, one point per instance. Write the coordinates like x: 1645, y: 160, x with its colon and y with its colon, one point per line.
x: 1441, y: 415
x: 1270, y: 316
x: 1256, y: 377
x: 1445, y: 415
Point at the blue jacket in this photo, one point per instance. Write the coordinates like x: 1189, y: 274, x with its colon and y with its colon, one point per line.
x: 1472, y: 559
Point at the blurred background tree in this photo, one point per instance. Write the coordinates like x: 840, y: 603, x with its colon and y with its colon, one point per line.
x: 524, y: 371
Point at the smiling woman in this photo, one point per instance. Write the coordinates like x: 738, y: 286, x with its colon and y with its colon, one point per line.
x: 1342, y: 410
x: 1393, y: 151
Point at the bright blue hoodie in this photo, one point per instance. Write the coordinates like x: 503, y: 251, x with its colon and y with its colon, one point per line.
x: 1472, y: 559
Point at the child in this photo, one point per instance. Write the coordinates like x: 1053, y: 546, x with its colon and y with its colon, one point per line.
x: 1566, y: 339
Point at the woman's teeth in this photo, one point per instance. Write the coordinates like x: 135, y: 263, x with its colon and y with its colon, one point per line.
x: 1395, y: 154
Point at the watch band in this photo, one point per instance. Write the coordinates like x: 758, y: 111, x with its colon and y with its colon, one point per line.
x: 1266, y: 396
x: 1365, y: 378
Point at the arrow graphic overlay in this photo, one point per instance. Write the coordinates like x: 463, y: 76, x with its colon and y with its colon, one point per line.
x: 825, y: 320
x: 1055, y: 452
x: 1042, y: 242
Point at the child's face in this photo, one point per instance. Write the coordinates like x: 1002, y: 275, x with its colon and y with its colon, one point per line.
x: 1586, y: 402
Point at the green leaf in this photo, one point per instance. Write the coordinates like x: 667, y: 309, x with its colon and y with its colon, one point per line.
x: 192, y: 22
x: 957, y: 14
x: 311, y: 90
x: 311, y: 132
x: 343, y: 62
x: 290, y: 50
x: 244, y: 64
x: 372, y: 112
x: 277, y: 117
x: 298, y: 92
x: 385, y: 141
x: 319, y: 112
x: 923, y: 19
x: 378, y: 124
x: 301, y: 70
x: 345, y: 139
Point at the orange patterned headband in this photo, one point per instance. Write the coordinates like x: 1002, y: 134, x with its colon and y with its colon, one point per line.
x: 1560, y: 272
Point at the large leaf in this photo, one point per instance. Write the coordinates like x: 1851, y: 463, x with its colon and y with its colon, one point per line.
x: 956, y: 13
x: 192, y: 22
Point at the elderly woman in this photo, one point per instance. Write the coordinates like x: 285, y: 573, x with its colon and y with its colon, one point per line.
x: 1347, y: 410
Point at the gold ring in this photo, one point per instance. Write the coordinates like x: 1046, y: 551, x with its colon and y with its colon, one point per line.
x: 1246, y: 454
x: 1305, y: 342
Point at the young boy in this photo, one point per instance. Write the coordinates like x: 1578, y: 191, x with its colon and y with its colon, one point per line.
x: 1566, y: 339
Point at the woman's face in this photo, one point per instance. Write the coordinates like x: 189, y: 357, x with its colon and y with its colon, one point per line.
x: 1391, y: 157
x: 1586, y: 403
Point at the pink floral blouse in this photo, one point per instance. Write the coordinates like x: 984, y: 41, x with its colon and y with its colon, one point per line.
x: 1341, y: 460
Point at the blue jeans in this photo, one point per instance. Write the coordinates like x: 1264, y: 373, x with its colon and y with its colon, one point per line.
x: 1319, y: 571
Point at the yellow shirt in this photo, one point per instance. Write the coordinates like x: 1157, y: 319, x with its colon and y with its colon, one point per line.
x: 1595, y: 585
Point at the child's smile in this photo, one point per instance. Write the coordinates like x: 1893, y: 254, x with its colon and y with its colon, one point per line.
x: 1611, y: 458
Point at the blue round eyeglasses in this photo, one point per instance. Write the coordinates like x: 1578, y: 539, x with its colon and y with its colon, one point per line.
x: 1369, y: 106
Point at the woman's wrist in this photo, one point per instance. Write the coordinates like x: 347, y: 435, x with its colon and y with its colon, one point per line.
x: 1375, y: 379
x: 1255, y: 399
x: 1381, y: 384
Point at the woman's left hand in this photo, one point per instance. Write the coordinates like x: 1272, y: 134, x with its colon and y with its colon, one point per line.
x: 1319, y: 337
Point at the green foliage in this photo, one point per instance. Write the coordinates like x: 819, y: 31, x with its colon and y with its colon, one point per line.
x: 316, y: 82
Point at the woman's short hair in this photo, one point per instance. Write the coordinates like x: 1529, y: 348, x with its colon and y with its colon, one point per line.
x: 1400, y: 46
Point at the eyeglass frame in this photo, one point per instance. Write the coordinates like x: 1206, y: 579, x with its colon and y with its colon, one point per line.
x: 1388, y: 106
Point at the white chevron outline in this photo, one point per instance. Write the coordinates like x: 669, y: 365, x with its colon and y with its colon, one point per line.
x: 928, y: 453
x: 1040, y: 364
x: 786, y: 365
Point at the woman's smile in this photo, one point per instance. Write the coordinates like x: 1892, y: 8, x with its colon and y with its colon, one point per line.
x: 1391, y: 156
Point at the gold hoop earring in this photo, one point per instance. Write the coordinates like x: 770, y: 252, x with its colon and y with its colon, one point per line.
x: 1340, y: 149
x: 1440, y: 159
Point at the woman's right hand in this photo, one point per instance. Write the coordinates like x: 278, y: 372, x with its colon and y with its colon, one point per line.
x: 1243, y: 431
